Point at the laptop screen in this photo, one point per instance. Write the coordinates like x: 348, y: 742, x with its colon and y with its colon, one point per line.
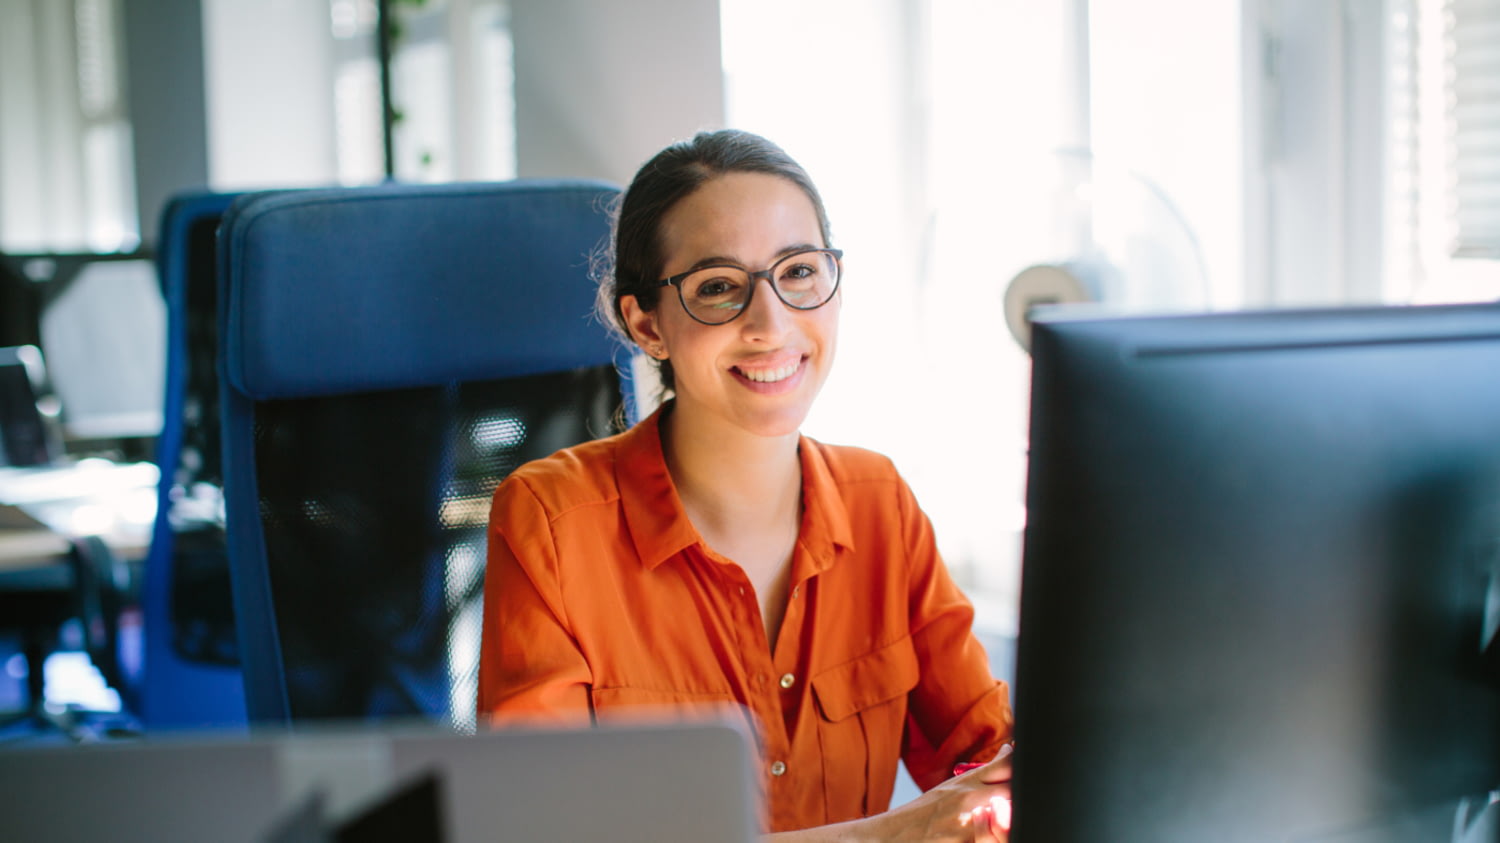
x: 24, y: 437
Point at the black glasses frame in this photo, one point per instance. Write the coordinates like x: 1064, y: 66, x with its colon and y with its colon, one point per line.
x: 768, y: 274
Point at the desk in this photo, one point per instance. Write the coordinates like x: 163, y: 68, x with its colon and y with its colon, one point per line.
x: 26, y: 543
x: 43, y: 512
x: 116, y: 501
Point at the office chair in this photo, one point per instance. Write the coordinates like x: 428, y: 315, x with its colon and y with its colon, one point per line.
x: 191, y: 674
x: 389, y: 354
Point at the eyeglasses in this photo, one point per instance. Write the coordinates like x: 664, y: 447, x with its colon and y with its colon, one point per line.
x: 715, y: 295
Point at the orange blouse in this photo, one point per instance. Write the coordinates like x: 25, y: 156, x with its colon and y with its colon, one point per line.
x: 601, y: 599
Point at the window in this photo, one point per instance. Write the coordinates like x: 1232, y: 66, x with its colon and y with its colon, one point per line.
x: 66, y: 165
x: 452, y: 91
x: 1452, y: 127
x: 945, y: 164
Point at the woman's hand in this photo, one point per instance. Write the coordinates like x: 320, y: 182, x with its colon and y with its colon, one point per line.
x: 973, y: 806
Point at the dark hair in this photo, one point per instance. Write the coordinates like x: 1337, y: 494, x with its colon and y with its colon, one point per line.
x: 635, y: 263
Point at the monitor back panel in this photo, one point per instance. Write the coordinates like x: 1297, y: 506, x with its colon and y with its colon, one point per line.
x: 1254, y: 591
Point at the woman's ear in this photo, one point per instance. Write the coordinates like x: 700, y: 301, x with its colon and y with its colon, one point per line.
x: 643, y: 327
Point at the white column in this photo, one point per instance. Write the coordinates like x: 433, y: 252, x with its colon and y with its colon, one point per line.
x: 601, y: 85
x: 1321, y: 103
x: 164, y: 52
x: 269, y: 75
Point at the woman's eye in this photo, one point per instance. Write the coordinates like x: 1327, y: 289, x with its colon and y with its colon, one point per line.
x: 714, y: 288
x: 801, y: 276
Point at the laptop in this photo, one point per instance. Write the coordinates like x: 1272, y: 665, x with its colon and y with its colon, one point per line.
x: 648, y: 783
x: 25, y: 439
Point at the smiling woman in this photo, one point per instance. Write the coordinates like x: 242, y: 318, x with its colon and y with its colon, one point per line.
x: 713, y: 556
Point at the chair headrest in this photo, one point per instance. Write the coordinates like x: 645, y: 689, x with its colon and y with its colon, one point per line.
x: 367, y: 288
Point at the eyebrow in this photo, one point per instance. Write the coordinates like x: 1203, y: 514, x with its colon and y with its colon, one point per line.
x: 725, y: 260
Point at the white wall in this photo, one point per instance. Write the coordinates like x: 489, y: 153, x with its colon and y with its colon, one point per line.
x: 269, y: 76
x: 602, y: 85
x: 586, y: 102
x: 163, y: 59
x: 1317, y: 150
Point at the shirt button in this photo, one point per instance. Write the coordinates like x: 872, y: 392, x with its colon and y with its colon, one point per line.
x: 777, y: 768
x: 787, y: 680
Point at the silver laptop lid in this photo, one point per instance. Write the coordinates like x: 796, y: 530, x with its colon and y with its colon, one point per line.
x: 687, y: 782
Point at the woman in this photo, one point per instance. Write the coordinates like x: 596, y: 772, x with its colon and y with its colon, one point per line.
x: 712, y: 555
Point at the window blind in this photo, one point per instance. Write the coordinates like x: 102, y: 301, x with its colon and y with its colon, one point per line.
x: 1473, y: 41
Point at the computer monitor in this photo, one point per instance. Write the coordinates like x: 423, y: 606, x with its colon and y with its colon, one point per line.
x: 17, y: 306
x: 102, y: 325
x: 1261, y: 578
x: 26, y: 438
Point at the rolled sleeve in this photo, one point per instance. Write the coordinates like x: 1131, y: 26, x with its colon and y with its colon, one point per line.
x: 960, y: 711
x: 531, y: 668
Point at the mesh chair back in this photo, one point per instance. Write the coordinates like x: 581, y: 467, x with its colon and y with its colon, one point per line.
x: 390, y: 355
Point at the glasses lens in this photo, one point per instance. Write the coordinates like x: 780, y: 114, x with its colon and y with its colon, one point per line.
x: 717, y: 294
x: 807, y: 279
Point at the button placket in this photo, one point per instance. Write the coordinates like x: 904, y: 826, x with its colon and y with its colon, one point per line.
x: 760, y: 674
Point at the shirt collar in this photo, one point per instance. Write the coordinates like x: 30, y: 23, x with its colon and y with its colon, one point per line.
x: 825, y: 520
x: 658, y: 526
x: 660, y: 529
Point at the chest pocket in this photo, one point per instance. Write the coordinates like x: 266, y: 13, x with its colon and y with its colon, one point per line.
x: 862, y: 708
x: 625, y: 704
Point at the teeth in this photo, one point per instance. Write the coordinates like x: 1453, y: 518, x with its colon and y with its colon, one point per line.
x: 771, y: 375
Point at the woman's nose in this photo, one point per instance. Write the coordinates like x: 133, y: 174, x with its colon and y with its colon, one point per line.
x: 766, y: 318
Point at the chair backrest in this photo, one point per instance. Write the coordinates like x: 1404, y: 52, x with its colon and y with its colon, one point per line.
x: 390, y: 353
x: 191, y: 676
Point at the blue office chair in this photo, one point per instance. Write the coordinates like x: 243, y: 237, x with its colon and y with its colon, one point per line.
x: 390, y: 353
x: 190, y: 678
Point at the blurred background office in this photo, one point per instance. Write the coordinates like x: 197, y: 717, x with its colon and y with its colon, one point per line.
x: 1168, y: 154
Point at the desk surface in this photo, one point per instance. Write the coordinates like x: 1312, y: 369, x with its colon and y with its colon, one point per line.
x: 24, y: 550
x: 40, y: 508
x: 87, y: 478
x: 26, y: 542
x: 43, y: 509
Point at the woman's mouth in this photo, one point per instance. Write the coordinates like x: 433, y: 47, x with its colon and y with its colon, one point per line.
x: 774, y: 379
x: 772, y: 375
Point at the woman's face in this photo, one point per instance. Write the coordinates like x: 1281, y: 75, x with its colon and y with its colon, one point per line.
x: 761, y: 371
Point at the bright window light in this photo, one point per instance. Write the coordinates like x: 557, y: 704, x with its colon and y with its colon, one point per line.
x: 933, y: 129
